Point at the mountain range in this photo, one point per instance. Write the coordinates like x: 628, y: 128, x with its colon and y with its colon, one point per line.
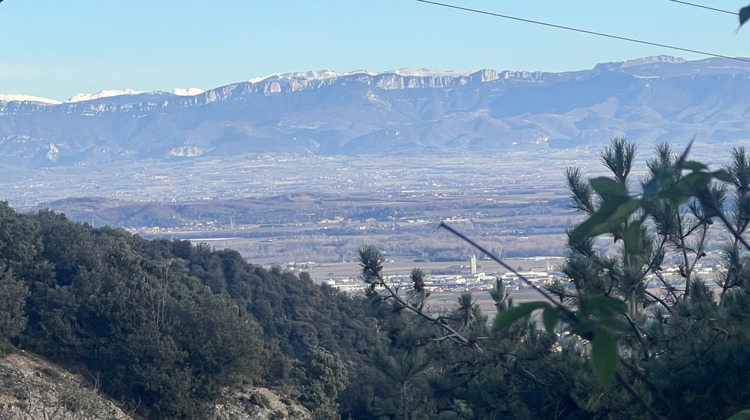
x: 403, y: 112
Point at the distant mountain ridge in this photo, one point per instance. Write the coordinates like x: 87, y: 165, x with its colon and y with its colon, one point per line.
x: 399, y: 112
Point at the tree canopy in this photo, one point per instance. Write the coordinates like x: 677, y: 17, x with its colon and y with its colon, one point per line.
x: 618, y: 336
x: 165, y: 324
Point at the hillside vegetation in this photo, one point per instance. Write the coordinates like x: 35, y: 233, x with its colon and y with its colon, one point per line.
x: 165, y: 325
x: 618, y: 337
x: 170, y: 328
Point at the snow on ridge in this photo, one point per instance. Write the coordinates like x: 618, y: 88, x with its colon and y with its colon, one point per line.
x: 262, y: 78
x: 309, y: 75
x: 80, y: 97
x: 423, y: 72
x: 330, y: 74
x: 12, y: 97
x: 650, y: 60
x: 187, y: 91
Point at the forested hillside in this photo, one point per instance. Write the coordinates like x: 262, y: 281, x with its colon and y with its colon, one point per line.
x: 165, y: 324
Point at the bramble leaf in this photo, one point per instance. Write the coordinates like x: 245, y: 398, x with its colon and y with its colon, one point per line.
x: 632, y: 238
x: 694, y: 166
x: 601, y: 303
x: 604, y: 357
x: 742, y: 415
x: 744, y: 15
x: 612, y: 214
x: 722, y: 175
x: 687, y: 187
x: 550, y: 316
x: 602, y: 313
x: 683, y: 157
x: 608, y: 188
x: 515, y: 313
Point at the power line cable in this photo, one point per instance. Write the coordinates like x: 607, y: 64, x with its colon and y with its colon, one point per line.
x: 584, y: 31
x: 705, y: 7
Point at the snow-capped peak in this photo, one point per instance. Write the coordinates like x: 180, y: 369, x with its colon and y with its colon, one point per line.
x: 11, y: 97
x: 330, y: 74
x: 309, y: 75
x: 80, y: 97
x: 187, y: 91
x: 427, y: 72
x: 650, y: 60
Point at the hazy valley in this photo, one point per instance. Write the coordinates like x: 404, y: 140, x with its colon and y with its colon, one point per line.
x: 309, y: 166
x: 279, y: 184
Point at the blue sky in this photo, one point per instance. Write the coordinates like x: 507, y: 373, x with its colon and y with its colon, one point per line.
x: 55, y: 49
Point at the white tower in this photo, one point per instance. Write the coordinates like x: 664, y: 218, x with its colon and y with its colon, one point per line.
x: 474, y: 264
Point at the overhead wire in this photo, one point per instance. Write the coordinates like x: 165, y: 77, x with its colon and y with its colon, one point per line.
x: 584, y: 31
x: 705, y: 7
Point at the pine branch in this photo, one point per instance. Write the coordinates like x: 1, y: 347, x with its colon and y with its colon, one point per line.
x: 654, y: 415
x: 670, y: 289
x: 720, y: 214
x: 453, y: 335
x: 661, y: 301
x: 639, y: 335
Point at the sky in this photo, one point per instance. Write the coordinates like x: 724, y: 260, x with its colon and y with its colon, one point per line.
x: 56, y: 49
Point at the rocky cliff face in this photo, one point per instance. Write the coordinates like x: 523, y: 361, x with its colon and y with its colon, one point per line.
x: 33, y: 388
x: 401, y: 112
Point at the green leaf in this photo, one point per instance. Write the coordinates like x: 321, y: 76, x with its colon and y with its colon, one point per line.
x: 678, y: 192
x: 683, y: 157
x: 722, y: 175
x: 694, y: 166
x: 612, y: 214
x: 550, y: 316
x: 742, y: 415
x: 609, y: 188
x: 744, y: 15
x: 651, y: 189
x: 632, y: 238
x: 698, y: 180
x: 687, y: 187
x: 604, y: 357
x: 601, y: 303
x: 603, y: 313
x: 515, y: 313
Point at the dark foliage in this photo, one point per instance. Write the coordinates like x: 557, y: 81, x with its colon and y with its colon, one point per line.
x: 620, y: 336
x: 164, y: 324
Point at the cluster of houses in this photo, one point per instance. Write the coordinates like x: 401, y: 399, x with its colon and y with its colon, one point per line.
x: 471, y: 279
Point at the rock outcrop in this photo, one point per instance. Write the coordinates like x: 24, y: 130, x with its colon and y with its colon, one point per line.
x: 33, y: 388
x: 254, y: 403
